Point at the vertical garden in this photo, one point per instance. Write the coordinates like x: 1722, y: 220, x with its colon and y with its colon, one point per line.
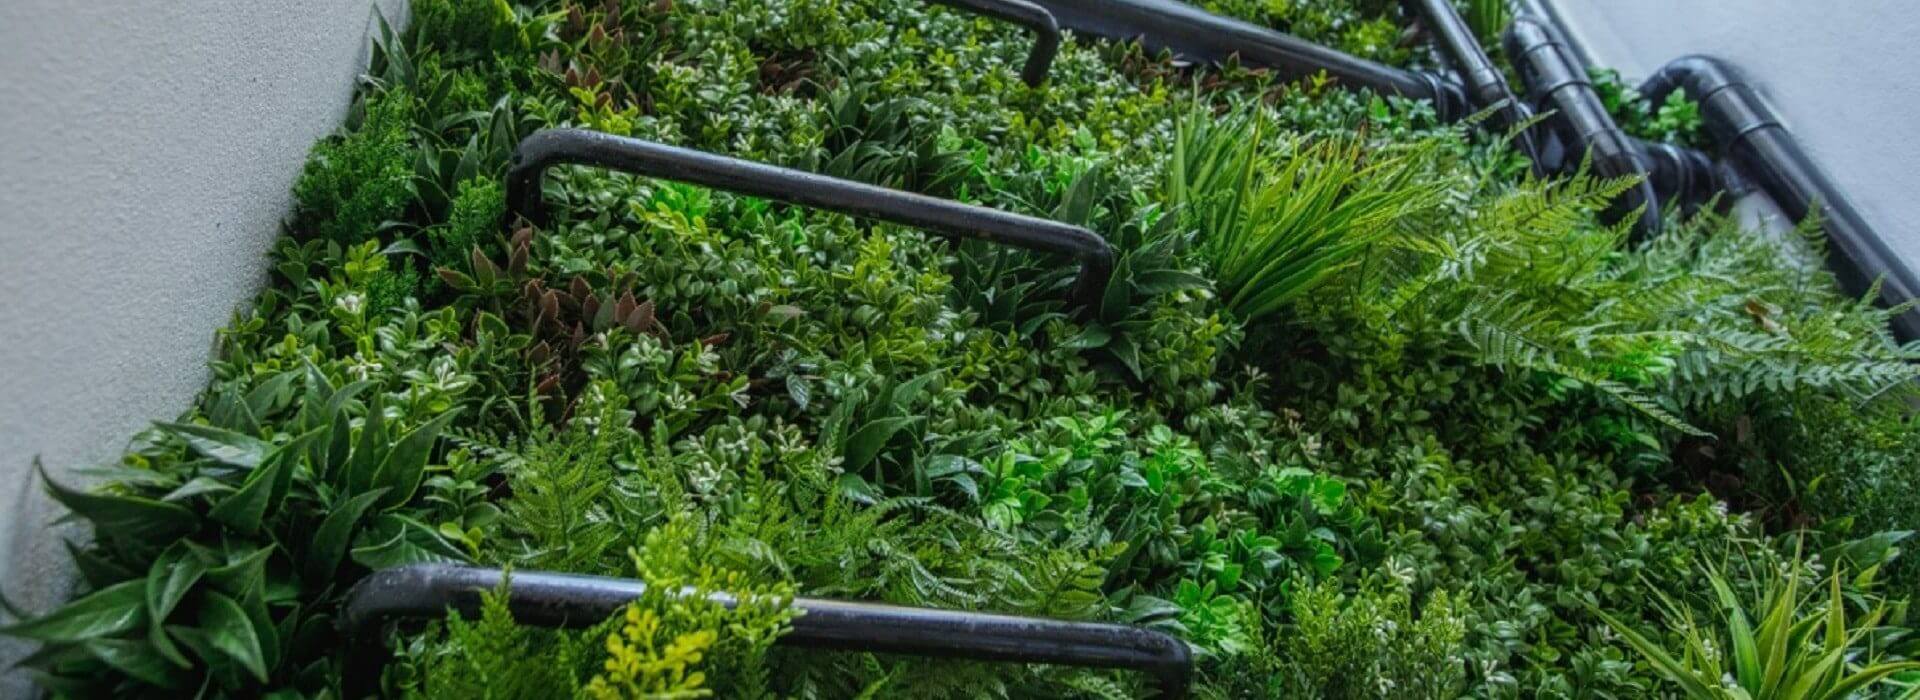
x: 1361, y: 407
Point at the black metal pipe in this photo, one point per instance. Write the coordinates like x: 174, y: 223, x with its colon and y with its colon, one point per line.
x: 1556, y: 80
x: 1747, y: 134
x: 1196, y: 34
x: 1486, y: 85
x: 574, y: 601
x: 1046, y: 40
x: 551, y: 147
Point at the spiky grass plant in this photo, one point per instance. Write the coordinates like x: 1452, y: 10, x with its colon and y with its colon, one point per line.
x: 1277, y: 220
x: 1803, y: 648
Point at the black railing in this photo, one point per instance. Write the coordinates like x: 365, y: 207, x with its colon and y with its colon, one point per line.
x: 1046, y: 32
x: 573, y: 601
x: 546, y: 149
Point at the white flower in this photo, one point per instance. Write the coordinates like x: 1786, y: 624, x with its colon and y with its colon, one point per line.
x: 363, y: 368
x: 351, y: 302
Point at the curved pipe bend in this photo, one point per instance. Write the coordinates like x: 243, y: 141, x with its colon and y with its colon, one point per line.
x: 1046, y: 39
x: 1748, y: 135
x: 574, y: 601
x: 1555, y: 79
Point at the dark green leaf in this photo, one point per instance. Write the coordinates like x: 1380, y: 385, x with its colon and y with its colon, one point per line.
x: 135, y: 658
x: 104, y: 613
x: 798, y: 391
x: 858, y: 489
x: 223, y: 446
x: 1093, y: 336
x: 243, y: 574
x: 243, y: 509
x: 1159, y: 282
x: 369, y: 451
x: 335, y: 532
x: 198, y: 486
x: 406, y: 463
x: 229, y: 631
x: 865, y: 444
x: 392, y: 540
x: 169, y: 579
x: 123, y: 516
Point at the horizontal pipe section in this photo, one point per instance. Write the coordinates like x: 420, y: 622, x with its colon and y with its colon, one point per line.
x: 575, y: 601
x: 1197, y: 34
x: 1747, y: 134
x: 546, y: 149
x: 1046, y: 39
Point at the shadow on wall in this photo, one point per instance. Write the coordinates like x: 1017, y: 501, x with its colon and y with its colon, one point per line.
x: 147, y: 152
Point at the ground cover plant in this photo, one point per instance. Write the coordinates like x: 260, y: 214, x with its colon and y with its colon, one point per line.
x: 1365, y: 411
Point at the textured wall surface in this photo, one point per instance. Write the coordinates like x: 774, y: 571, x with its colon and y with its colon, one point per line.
x: 147, y: 150
x: 1840, y: 74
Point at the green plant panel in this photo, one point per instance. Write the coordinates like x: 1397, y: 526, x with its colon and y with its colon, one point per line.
x: 1367, y: 411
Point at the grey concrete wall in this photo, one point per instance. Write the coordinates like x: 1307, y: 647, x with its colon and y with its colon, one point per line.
x: 1841, y: 75
x: 147, y: 150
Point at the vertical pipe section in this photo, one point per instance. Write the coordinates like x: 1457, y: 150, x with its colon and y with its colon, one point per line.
x: 1485, y: 83
x: 1747, y: 134
x: 1196, y: 34
x: 1556, y: 80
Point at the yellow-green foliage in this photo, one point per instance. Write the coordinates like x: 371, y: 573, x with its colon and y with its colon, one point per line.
x: 643, y: 662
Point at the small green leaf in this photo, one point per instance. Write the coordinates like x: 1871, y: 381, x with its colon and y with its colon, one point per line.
x: 273, y: 394
x: 406, y: 463
x: 103, y: 613
x: 798, y: 391
x: 229, y: 631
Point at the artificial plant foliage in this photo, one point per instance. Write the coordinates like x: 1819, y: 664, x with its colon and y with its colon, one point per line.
x: 1364, y: 406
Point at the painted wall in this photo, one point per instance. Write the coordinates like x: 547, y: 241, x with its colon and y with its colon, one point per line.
x: 147, y: 151
x: 1839, y: 74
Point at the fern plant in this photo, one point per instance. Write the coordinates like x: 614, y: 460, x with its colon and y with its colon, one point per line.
x: 1708, y: 314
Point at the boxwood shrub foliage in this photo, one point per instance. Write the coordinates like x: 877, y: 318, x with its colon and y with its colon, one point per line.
x: 1411, y: 460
